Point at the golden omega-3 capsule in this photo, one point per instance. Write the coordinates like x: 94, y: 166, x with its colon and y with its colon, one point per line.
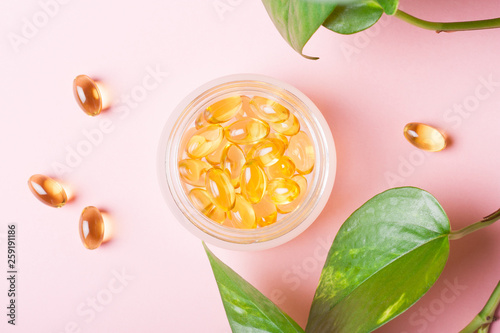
x: 290, y: 207
x: 247, y: 131
x: 265, y: 212
x: 193, y: 171
x: 223, y: 110
x: 301, y: 152
x: 267, y: 151
x: 220, y: 189
x: 202, y: 202
x: 47, y: 190
x: 242, y: 215
x: 232, y: 162
x: 279, y: 136
x: 282, y: 190
x: 284, y: 168
x: 215, y: 157
x: 204, y: 141
x: 253, y: 182
x: 289, y: 127
x: 425, y: 137
x: 91, y: 96
x: 91, y: 227
x: 269, y: 110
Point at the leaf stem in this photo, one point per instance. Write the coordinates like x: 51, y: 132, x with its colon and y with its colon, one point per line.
x: 490, y: 219
x: 448, y: 26
x: 483, y: 320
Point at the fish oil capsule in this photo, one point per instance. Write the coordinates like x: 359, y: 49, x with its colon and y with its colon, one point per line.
x: 282, y: 190
x: 193, y: 171
x: 290, y: 207
x: 301, y: 152
x: 91, y: 96
x: 223, y: 110
x: 284, y: 168
x: 220, y: 189
x: 204, y: 141
x: 265, y: 212
x: 91, y: 227
x: 246, y: 131
x: 202, y: 202
x: 232, y: 162
x: 47, y: 190
x: 425, y: 137
x: 269, y: 110
x: 289, y: 127
x: 215, y: 157
x: 279, y: 136
x: 242, y: 215
x: 267, y: 152
x: 253, y: 182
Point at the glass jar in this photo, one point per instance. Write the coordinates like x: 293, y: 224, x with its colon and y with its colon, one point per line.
x: 320, y: 180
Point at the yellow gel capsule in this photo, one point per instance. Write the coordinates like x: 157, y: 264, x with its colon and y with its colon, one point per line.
x: 193, y: 171
x: 242, y: 215
x: 253, y: 182
x: 265, y: 212
x: 290, y: 207
x: 223, y: 110
x: 91, y: 95
x: 284, y: 168
x: 220, y: 189
x: 91, y: 227
x: 247, y: 131
x: 202, y: 202
x: 267, y: 152
x: 279, y: 136
x: 47, y: 190
x: 232, y: 162
x: 215, y: 157
x: 245, y: 107
x: 289, y: 127
x: 301, y: 152
x: 425, y: 137
x: 204, y: 141
x: 283, y: 190
x: 269, y: 110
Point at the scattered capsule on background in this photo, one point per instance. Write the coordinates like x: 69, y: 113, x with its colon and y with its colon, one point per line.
x: 284, y: 168
x: 193, y: 171
x: 242, y: 214
x: 202, y: 202
x: 223, y: 110
x: 301, y: 152
x: 204, y: 141
x: 215, y: 157
x: 290, y: 207
x: 247, y: 131
x: 265, y: 212
x: 289, y: 127
x: 91, y: 95
x: 48, y: 190
x: 91, y: 227
x: 232, y: 162
x: 425, y: 137
x: 220, y: 189
x: 279, y: 136
x: 282, y: 190
x: 253, y: 182
x: 269, y: 110
x: 267, y: 151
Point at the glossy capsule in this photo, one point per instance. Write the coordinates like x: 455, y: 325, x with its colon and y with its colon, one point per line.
x: 301, y: 152
x: 265, y: 212
x: 282, y: 190
x: 193, y: 171
x: 253, y: 182
x: 269, y: 110
x: 215, y: 157
x: 232, y: 162
x: 204, y: 141
x: 220, y: 189
x: 289, y: 127
x: 247, y: 131
x: 202, y: 202
x: 48, y: 190
x: 267, y: 151
x: 242, y: 215
x: 223, y: 110
x: 284, y: 168
x: 425, y: 137
x: 91, y: 227
x: 290, y: 207
x: 91, y: 95
x: 279, y: 136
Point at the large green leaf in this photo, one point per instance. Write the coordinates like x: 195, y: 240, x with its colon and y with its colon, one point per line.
x: 246, y: 308
x: 384, y: 258
x: 352, y: 18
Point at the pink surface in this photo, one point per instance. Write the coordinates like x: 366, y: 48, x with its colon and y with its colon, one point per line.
x: 367, y: 85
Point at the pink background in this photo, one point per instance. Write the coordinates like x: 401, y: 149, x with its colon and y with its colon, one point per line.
x: 368, y: 86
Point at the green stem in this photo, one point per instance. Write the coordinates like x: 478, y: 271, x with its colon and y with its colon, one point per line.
x: 448, y: 26
x: 490, y: 219
x: 482, y: 322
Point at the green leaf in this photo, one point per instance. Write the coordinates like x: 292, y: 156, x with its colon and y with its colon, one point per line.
x: 384, y: 258
x: 389, y: 6
x: 298, y: 20
x: 246, y: 308
x: 349, y: 19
